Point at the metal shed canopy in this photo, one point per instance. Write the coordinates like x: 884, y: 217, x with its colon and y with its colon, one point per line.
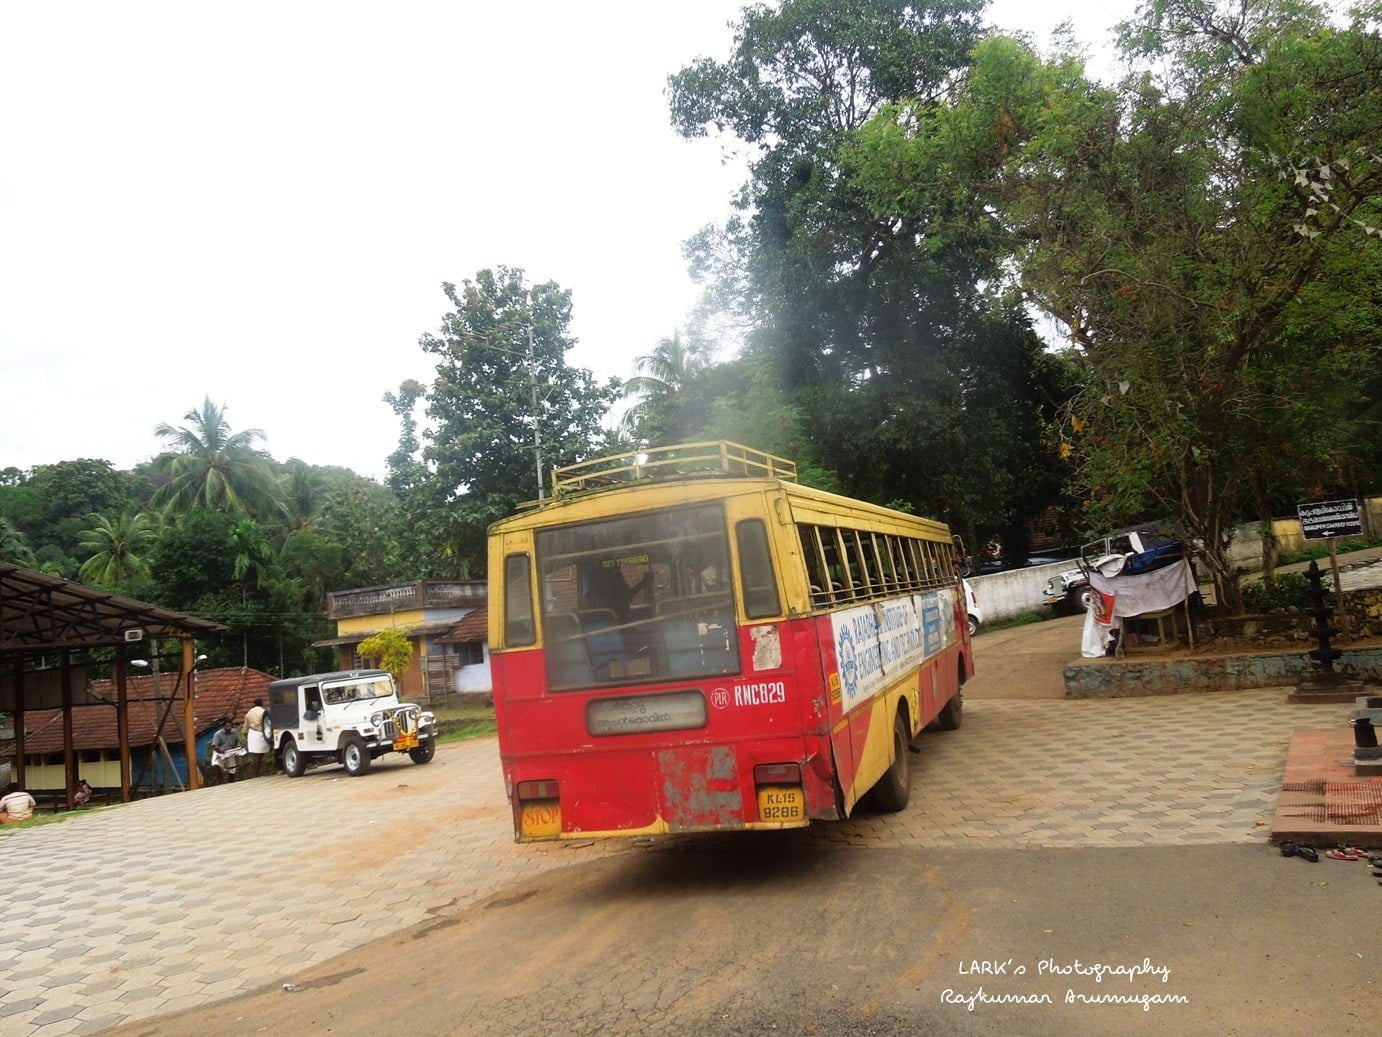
x: 42, y: 615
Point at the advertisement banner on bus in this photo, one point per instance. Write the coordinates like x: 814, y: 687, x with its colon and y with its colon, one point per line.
x: 875, y: 644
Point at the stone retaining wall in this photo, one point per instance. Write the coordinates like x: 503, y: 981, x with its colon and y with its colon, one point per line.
x: 1360, y: 619
x: 1131, y: 678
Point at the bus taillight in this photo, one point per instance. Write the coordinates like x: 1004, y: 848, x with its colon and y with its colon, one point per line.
x: 539, y: 810
x: 780, y: 796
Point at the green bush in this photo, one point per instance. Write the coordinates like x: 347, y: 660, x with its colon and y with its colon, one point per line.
x: 1288, y: 590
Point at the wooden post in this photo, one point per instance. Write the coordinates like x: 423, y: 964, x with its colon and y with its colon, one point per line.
x: 19, y: 721
x: 189, y: 713
x: 122, y: 721
x: 68, y: 763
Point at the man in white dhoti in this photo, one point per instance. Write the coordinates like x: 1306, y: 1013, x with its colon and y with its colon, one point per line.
x: 257, y: 742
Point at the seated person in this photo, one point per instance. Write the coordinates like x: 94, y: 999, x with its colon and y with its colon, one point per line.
x: 16, y: 805
x: 83, y: 794
x: 226, y: 751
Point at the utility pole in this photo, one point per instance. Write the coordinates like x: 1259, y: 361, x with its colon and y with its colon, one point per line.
x: 537, y: 437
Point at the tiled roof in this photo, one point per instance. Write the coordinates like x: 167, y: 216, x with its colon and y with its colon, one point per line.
x: 474, y: 627
x: 219, y: 693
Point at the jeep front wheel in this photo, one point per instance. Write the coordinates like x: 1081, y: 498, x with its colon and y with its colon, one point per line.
x: 355, y: 757
x: 293, y: 764
x: 424, y: 751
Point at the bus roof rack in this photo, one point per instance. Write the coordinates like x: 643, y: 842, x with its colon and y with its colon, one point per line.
x: 682, y: 461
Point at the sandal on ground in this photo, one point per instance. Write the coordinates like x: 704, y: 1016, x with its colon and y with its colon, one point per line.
x: 1306, y: 853
x: 1341, y: 855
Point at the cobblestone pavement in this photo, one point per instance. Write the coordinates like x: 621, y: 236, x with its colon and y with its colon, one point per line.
x: 146, y: 909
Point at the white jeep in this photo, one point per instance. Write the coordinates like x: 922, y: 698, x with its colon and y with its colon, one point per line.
x: 351, y: 718
x: 1131, y: 551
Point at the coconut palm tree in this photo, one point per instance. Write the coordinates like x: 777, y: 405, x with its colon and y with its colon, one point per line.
x: 304, y: 490
x: 253, y: 555
x: 664, y: 374
x: 117, y: 547
x: 213, y: 468
x: 14, y: 545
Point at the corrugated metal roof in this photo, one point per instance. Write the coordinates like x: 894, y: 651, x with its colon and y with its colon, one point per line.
x: 39, y: 612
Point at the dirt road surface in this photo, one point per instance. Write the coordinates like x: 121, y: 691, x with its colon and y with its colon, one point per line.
x: 1025, y: 662
x: 754, y: 935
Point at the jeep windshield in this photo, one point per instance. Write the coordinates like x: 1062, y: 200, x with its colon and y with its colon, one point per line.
x: 357, y: 690
x: 637, y: 599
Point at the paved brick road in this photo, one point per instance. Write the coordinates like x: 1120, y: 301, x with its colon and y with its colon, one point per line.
x: 164, y: 904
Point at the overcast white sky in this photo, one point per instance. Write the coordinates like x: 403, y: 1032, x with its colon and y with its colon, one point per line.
x: 259, y: 201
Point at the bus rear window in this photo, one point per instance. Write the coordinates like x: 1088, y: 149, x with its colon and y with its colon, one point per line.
x: 756, y: 570
x: 638, y: 599
x: 518, y: 602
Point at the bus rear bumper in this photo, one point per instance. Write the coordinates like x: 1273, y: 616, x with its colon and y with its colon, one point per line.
x: 765, y: 786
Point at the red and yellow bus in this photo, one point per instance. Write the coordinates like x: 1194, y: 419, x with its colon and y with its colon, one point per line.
x: 687, y: 640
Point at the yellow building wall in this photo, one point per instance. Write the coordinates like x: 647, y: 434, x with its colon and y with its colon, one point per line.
x: 104, y: 773
x: 410, y: 682
x: 369, y: 624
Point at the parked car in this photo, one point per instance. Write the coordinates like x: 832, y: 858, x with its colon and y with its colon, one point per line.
x: 349, y: 717
x: 1130, y: 551
x: 973, y: 609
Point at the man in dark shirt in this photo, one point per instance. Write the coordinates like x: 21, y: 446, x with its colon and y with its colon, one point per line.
x: 225, y: 746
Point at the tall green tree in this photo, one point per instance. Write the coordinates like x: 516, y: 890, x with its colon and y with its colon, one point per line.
x: 503, y: 389
x: 117, y: 548
x: 882, y: 326
x: 217, y: 566
x: 1194, y: 230
x: 14, y: 545
x: 212, y: 467
x: 362, y: 518
x: 67, y: 493
x: 303, y: 491
x: 663, y: 377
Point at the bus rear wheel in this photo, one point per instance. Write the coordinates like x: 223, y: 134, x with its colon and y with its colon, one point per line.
x: 952, y: 714
x: 894, y: 789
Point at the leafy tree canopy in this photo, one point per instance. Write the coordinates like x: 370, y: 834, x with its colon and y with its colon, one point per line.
x: 501, y: 377
x: 1192, y: 230
x: 882, y: 324
x: 212, y: 467
x: 389, y: 650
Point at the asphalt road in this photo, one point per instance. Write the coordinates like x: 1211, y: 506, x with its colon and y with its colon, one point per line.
x: 755, y: 935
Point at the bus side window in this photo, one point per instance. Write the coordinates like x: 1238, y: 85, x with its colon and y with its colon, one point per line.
x: 903, y: 562
x: 885, y: 562
x: 950, y: 564
x: 842, y: 579
x: 865, y: 574
x: 518, y: 602
x: 816, y: 576
x: 756, y: 570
